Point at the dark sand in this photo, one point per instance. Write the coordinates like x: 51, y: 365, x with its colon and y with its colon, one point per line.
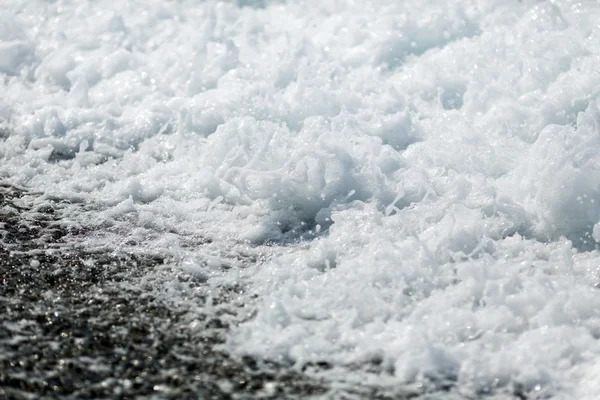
x: 71, y: 327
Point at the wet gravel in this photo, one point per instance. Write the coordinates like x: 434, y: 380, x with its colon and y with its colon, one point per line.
x: 77, y: 325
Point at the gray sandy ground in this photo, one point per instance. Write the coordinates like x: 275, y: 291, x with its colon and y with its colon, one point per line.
x: 72, y: 327
x: 77, y: 324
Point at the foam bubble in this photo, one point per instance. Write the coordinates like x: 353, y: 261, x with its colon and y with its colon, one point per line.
x: 419, y: 180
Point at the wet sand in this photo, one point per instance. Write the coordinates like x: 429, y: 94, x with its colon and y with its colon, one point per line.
x: 74, y: 326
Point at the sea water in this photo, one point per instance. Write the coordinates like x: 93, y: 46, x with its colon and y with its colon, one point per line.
x: 417, y: 183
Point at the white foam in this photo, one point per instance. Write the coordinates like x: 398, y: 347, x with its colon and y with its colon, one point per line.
x: 424, y: 173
